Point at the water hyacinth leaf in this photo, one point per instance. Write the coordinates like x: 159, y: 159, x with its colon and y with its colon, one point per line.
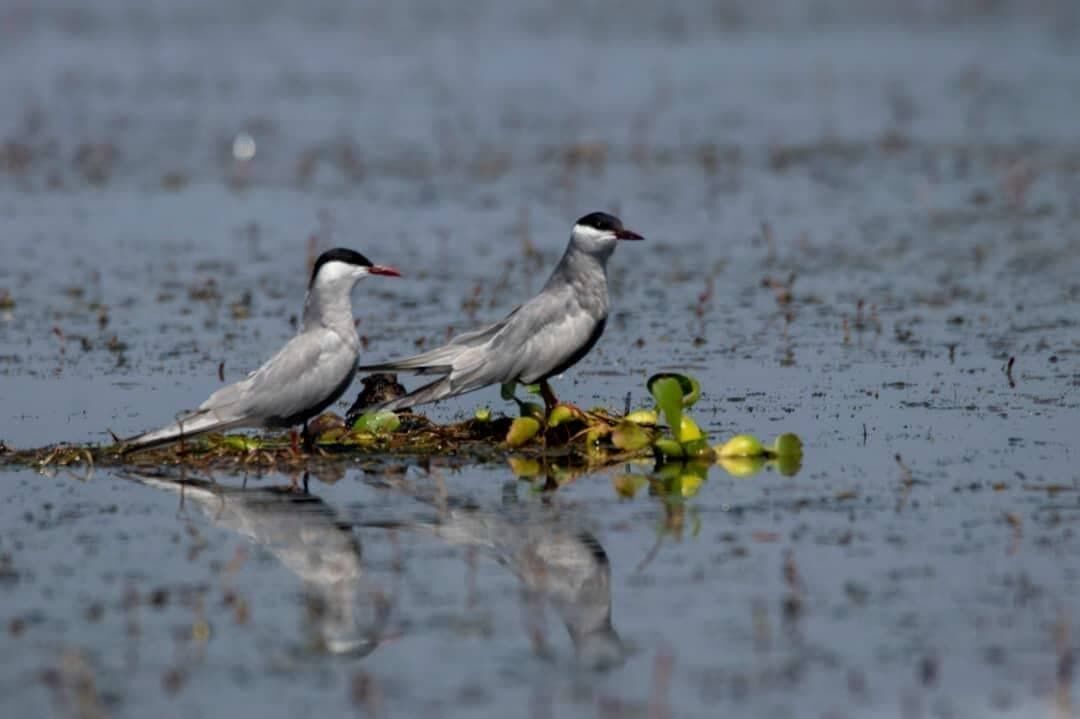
x: 699, y: 449
x: 742, y: 467
x: 482, y: 414
x: 787, y: 445
x: 742, y: 445
x: 381, y: 421
x: 669, y: 448
x: 690, y: 387
x: 629, y: 437
x: 506, y: 390
x: 643, y: 416
x: 241, y: 442
x: 668, y: 395
x: 562, y: 414
x: 688, y: 430
x: 533, y: 388
x: 522, y: 430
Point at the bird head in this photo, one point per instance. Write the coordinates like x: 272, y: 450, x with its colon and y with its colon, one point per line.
x: 597, y: 232
x: 342, y: 265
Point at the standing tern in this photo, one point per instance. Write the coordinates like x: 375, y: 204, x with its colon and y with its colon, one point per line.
x: 539, y: 339
x: 305, y: 377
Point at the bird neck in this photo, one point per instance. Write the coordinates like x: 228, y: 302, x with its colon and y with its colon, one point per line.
x: 586, y: 270
x: 329, y: 305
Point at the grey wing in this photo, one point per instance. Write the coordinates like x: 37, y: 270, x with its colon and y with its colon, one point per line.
x: 442, y: 359
x: 554, y: 334
x: 307, y: 370
x: 539, y: 339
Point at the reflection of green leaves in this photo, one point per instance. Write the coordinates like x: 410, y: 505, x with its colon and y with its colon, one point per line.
x: 742, y: 467
x: 524, y: 467
x: 522, y: 430
x: 681, y: 480
x: 380, y: 421
x: 627, y: 485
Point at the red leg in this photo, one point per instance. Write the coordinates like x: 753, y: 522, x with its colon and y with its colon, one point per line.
x: 550, y: 400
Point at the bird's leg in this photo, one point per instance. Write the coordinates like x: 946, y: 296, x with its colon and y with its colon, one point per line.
x: 294, y: 441
x: 309, y: 439
x: 550, y: 400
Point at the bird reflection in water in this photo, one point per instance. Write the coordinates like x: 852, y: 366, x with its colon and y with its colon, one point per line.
x: 557, y: 562
x: 345, y: 612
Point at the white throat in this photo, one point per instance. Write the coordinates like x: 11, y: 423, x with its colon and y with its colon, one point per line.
x: 329, y: 299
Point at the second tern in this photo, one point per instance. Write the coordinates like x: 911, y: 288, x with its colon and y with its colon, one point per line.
x: 539, y: 339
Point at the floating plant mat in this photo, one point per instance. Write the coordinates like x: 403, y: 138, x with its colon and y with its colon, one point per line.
x: 559, y: 447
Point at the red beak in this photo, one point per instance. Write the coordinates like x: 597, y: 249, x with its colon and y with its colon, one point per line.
x: 383, y: 270
x: 627, y: 235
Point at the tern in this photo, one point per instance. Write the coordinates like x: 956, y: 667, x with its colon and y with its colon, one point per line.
x: 539, y: 339
x: 305, y: 377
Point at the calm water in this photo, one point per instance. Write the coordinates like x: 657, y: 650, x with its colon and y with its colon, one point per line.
x: 883, y: 201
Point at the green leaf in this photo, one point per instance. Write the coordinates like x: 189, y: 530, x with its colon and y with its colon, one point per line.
x: 241, y: 442
x: 669, y: 448
x: 668, y: 394
x: 629, y: 437
x: 522, y: 430
x: 742, y: 445
x: 561, y: 414
x: 688, y: 430
x: 643, y: 416
x: 690, y: 387
x: 381, y: 421
x: 482, y: 414
x: 787, y: 445
x: 627, y: 485
x: 699, y: 449
x: 506, y: 390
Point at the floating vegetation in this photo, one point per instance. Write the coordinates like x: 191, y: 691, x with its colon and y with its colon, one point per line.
x: 558, y: 448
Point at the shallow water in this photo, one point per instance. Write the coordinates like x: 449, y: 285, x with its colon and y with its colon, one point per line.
x: 917, y: 172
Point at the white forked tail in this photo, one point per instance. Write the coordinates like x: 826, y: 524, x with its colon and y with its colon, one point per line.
x: 190, y: 425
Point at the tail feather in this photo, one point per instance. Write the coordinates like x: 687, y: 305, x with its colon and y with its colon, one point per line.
x: 188, y: 426
x: 406, y: 366
x: 441, y: 360
x: 431, y: 392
